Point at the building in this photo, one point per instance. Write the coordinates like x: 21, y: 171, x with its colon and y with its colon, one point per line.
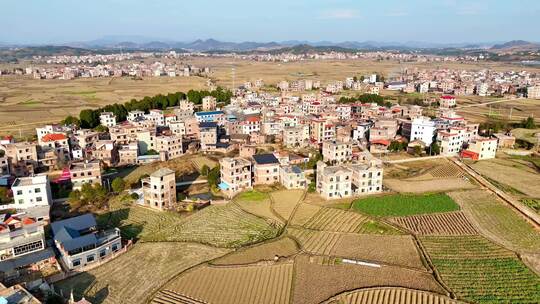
x: 533, y: 92
x: 85, y: 172
x: 159, y: 189
x: 333, y: 182
x: 451, y: 141
x: 505, y: 140
x: 296, y: 137
x: 107, y: 119
x: 208, y: 132
x: 106, y: 151
x: 169, y: 146
x: 235, y: 175
x: 22, y: 157
x: 421, y: 128
x: 16, y: 294
x: 210, y: 116
x: 80, y: 243
x: 127, y: 154
x: 481, y: 148
x: 209, y: 103
x: 30, y: 192
x: 367, y: 177
x: 337, y: 152
x: 266, y: 169
x: 447, y: 101
x: 292, y: 177
x: 134, y: 116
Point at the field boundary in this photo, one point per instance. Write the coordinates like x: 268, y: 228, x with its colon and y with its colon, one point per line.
x: 327, y: 301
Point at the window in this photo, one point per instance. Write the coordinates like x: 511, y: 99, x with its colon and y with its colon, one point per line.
x: 102, y: 253
x: 37, y: 190
x: 115, y: 247
x: 76, y: 262
x: 19, y: 192
x: 39, y: 199
x: 90, y: 258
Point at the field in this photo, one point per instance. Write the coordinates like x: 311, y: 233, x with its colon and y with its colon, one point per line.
x: 514, y: 110
x: 511, y: 173
x: 482, y: 272
x: 182, y: 166
x: 200, y: 161
x: 285, y: 201
x: 26, y: 103
x: 403, y: 205
x: 135, y: 275
x: 246, y: 284
x: 282, y: 247
x: 317, y: 280
x: 259, y: 204
x: 399, y: 250
x: 433, y: 185
x: 390, y: 295
x: 216, y: 225
x: 448, y: 223
x: 498, y: 221
x: 336, y: 220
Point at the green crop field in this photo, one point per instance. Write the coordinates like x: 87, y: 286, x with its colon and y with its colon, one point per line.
x: 252, y: 196
x: 403, y: 204
x: 482, y: 272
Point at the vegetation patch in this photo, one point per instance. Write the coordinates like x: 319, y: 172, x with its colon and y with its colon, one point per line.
x: 251, y: 196
x: 403, y: 205
x: 482, y: 272
x: 447, y: 223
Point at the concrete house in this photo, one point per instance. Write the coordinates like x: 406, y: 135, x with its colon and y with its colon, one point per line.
x: 292, y: 177
x: 30, y: 192
x: 159, y: 189
x: 85, y: 172
x: 235, y: 175
x: 80, y: 243
x: 266, y: 169
x: 107, y: 119
x: 333, y: 181
x: 337, y: 152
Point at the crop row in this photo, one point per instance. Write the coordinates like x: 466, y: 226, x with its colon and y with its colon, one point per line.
x: 448, y: 223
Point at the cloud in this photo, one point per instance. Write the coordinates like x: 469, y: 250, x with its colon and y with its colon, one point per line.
x: 340, y: 14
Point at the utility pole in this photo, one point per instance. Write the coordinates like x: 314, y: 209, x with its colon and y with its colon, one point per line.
x: 510, y: 115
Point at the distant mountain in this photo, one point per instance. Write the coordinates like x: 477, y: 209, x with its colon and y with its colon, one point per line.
x: 516, y: 44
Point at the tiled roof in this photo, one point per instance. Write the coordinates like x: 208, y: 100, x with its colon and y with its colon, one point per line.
x: 54, y: 137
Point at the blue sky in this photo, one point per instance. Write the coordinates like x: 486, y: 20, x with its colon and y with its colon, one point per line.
x: 43, y: 21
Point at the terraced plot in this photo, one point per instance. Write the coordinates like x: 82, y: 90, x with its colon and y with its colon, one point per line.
x: 387, y: 249
x: 390, y: 295
x: 445, y: 171
x: 316, y: 281
x: 282, y: 247
x: 285, y: 201
x: 405, y: 204
x: 482, y: 272
x: 303, y: 214
x: 337, y: 220
x: 497, y: 220
x: 244, y: 284
x: 448, y: 223
x: 133, y: 276
x: 261, y: 208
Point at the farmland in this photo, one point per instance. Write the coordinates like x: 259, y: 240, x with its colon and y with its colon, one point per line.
x: 259, y: 204
x: 282, y: 247
x: 246, y: 284
x: 403, y: 205
x: 317, y: 281
x: 135, y: 275
x: 422, y: 186
x: 220, y: 226
x: 389, y: 249
x: 498, y: 221
x: 482, y: 272
x: 448, y: 223
x: 390, y: 295
x: 285, y: 201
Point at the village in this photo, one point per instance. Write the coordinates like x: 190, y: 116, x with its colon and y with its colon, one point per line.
x: 313, y: 141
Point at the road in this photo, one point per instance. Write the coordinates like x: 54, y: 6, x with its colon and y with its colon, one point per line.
x: 484, y: 103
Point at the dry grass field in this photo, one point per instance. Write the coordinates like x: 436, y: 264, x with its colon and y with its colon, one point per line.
x: 182, y: 166
x: 329, y: 219
x: 284, y: 202
x: 498, y: 221
x: 399, y: 250
x: 269, y: 284
x: 316, y: 280
x: 259, y: 206
x: 434, y: 185
x: 512, y: 110
x: 390, y: 295
x: 447, y: 223
x: 135, y: 275
x: 303, y: 214
x: 26, y: 102
x: 200, y: 161
x: 282, y: 247
x: 511, y: 173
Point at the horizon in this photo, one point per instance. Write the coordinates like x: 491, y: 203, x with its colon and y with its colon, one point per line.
x: 335, y: 21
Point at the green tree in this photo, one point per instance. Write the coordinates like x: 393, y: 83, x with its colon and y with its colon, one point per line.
x: 118, y: 185
x: 89, y: 119
x: 71, y: 121
x: 213, y: 176
x: 152, y: 152
x: 417, y: 150
x: 205, y: 170
x: 435, y: 149
x: 101, y: 129
x: 528, y: 123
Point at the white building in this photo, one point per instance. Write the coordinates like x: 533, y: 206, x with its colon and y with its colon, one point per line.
x: 481, y: 148
x: 107, y: 119
x: 134, y: 115
x: 336, y: 152
x: 423, y: 129
x: 30, y: 192
x: 533, y: 92
x: 334, y: 181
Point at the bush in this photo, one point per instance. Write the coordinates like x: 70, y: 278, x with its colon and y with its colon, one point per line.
x: 118, y: 185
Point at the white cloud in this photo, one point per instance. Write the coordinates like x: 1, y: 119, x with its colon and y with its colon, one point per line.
x: 340, y: 14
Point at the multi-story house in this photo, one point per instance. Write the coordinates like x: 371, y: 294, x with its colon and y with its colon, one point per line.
x: 337, y: 152
x: 265, y: 169
x: 159, y: 189
x: 447, y: 101
x: 107, y: 119
x: 322, y: 130
x: 451, y: 140
x: 210, y: 116
x: 106, y: 151
x: 481, y: 148
x: 127, y: 154
x: 208, y: 132
x: 367, y: 177
x: 296, y: 137
x: 333, y: 181
x: 423, y: 129
x: 80, y: 243
x: 57, y: 141
x: 209, y: 103
x: 30, y: 192
x: 170, y: 146
x: 22, y: 157
x: 156, y: 116
x: 292, y: 177
x: 134, y: 116
x: 533, y: 92
x: 383, y: 129
x: 85, y: 172
x: 235, y: 175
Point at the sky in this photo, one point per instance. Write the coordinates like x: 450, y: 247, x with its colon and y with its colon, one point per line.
x: 441, y: 21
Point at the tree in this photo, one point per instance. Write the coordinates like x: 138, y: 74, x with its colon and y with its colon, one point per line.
x: 118, y: 185
x: 101, y: 129
x: 152, y: 152
x: 395, y: 146
x: 417, y: 150
x: 89, y: 119
x: 435, y: 149
x: 71, y: 121
x: 205, y: 170
x: 213, y: 176
x: 528, y: 123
